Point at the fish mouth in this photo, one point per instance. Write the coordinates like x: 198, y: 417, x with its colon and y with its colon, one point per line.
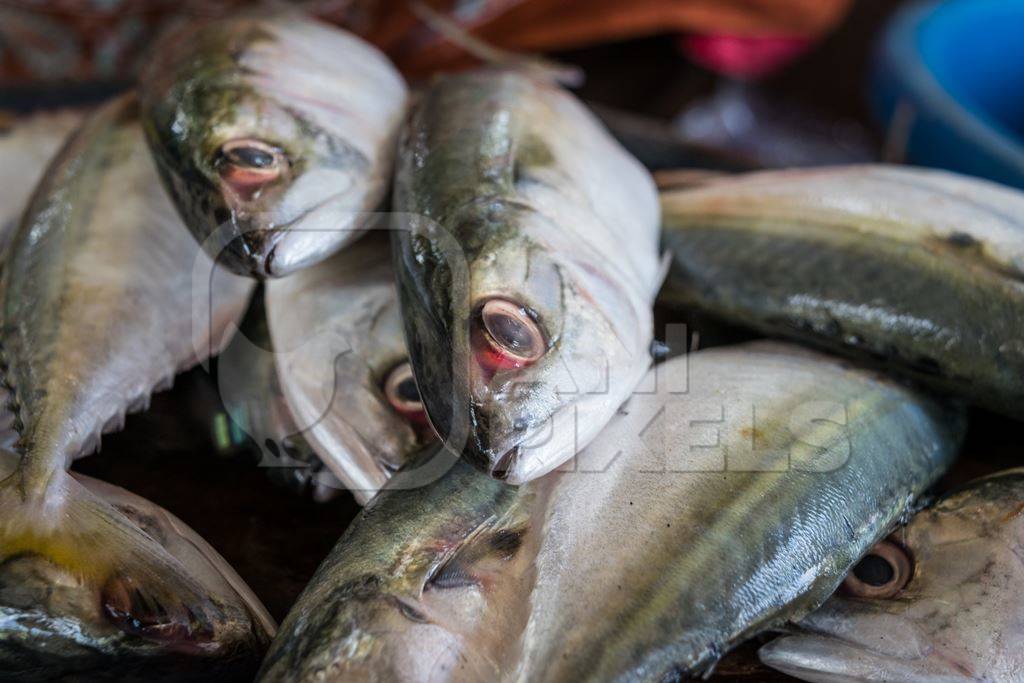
x: 253, y: 249
x: 828, y: 658
x: 813, y: 657
x: 250, y: 254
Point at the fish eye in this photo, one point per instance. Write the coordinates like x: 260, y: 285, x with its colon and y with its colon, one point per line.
x: 247, y: 164
x: 882, y: 573
x: 131, y: 610
x: 401, y: 391
x: 512, y: 336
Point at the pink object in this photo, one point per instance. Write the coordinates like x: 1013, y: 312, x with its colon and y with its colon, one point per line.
x: 744, y: 56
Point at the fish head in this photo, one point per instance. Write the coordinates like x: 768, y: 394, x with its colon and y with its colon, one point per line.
x: 64, y: 612
x: 375, y: 419
x: 934, y: 602
x: 373, y: 635
x: 448, y: 608
x: 265, y: 183
x: 523, y: 348
x: 343, y: 365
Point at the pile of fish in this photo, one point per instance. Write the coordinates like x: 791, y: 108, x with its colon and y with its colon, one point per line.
x: 441, y: 299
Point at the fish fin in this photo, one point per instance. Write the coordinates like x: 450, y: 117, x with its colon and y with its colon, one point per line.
x: 533, y: 65
x: 142, y: 589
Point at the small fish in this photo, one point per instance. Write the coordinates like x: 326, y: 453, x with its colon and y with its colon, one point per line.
x: 343, y: 366
x: 730, y: 496
x: 274, y: 134
x: 248, y: 388
x: 104, y: 298
x: 939, y: 601
x: 26, y: 146
x: 921, y: 271
x: 527, y: 259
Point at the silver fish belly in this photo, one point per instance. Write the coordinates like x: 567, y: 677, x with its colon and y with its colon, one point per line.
x: 26, y: 147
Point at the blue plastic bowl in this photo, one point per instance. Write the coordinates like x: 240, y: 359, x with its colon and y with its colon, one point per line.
x: 952, y: 74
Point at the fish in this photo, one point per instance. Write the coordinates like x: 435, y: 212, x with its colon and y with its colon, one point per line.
x: 730, y: 495
x: 526, y: 254
x: 917, y: 271
x: 343, y: 366
x: 103, y: 299
x: 259, y: 414
x: 26, y: 147
x: 274, y: 133
x: 937, y: 601
x: 52, y: 626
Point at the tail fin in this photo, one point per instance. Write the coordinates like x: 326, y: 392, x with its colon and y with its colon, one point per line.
x: 159, y: 589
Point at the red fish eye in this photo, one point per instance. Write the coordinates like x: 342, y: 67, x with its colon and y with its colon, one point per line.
x: 510, y: 337
x: 882, y: 573
x: 402, y: 393
x: 247, y: 165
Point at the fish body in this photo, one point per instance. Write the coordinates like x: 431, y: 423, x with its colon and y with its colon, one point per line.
x: 919, y: 270
x: 527, y: 258
x: 959, y: 617
x: 26, y: 147
x: 104, y: 298
x: 730, y: 497
x: 274, y: 133
x: 342, y: 364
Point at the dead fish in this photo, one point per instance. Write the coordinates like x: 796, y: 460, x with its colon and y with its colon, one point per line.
x: 104, y: 299
x: 527, y: 258
x: 731, y: 494
x: 26, y: 147
x: 940, y: 601
x: 343, y: 366
x: 248, y: 388
x: 922, y: 271
x: 56, y: 626
x: 274, y: 133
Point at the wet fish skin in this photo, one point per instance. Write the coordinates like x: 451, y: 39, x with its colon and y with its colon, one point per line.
x: 468, y: 580
x: 334, y: 354
x: 509, y: 189
x: 40, y: 599
x: 379, y: 607
x: 917, y: 270
x: 959, y: 617
x: 26, y: 146
x: 316, y: 111
x: 99, y: 307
